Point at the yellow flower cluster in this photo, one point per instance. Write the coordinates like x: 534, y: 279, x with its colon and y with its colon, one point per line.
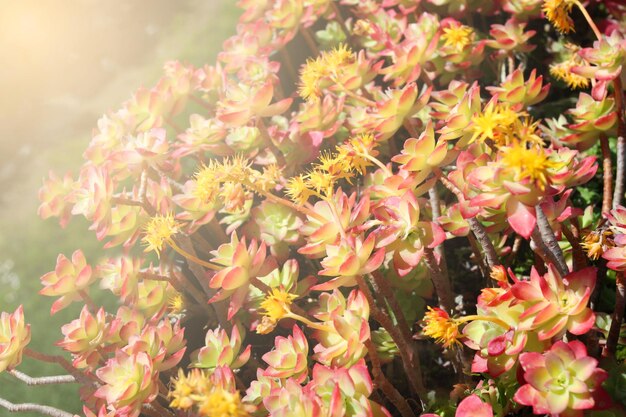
x: 320, y: 181
x: 329, y: 65
x: 502, y: 125
x: 227, y: 179
x: 276, y: 304
x: 441, y: 327
x: 196, y: 390
x: 557, y: 12
x: 158, y: 231
x: 457, y: 36
x: 355, y: 155
x: 563, y: 71
x: 529, y: 162
x: 596, y: 243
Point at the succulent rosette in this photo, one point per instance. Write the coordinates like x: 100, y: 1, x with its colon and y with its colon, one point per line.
x: 68, y: 279
x: 289, y: 357
x: 555, y: 304
x: 129, y: 381
x: 240, y: 263
x: 221, y: 350
x: 346, y: 329
x: 563, y: 381
x: 85, y: 336
x: 14, y: 336
x: 343, y: 170
x: 345, y: 391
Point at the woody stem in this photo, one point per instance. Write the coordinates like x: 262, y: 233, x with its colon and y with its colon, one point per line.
x: 618, y: 315
x: 475, y: 317
x: 192, y: 257
x: 588, y: 18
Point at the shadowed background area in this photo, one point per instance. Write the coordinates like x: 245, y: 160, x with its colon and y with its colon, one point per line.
x: 64, y: 64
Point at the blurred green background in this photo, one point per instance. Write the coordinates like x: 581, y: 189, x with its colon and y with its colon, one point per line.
x: 64, y: 64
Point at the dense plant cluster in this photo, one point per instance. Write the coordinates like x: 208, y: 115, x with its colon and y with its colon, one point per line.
x: 364, y: 208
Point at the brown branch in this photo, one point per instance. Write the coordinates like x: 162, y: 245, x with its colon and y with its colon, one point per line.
x: 578, y: 253
x: 410, y: 361
x: 483, y: 238
x: 440, y: 282
x: 310, y: 41
x: 88, y: 301
x: 618, y: 316
x: 607, y: 175
x: 291, y: 69
x: 547, y: 235
x: 42, y: 380
x: 479, y: 231
x: 64, y: 363
x: 620, y: 172
x: 128, y: 202
x: 385, y: 386
x: 383, y: 288
x: 484, y: 269
x: 37, y: 408
x: 541, y: 249
x: 435, y: 208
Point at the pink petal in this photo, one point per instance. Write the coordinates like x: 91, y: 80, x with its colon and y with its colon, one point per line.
x: 473, y: 406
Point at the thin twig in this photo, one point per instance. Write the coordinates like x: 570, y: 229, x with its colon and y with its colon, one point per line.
x: 42, y: 380
x: 385, y: 386
x: 128, y: 202
x: 607, y: 175
x: 88, y: 301
x: 578, y: 253
x: 541, y: 249
x: 441, y: 284
x: 483, y: 238
x: 37, y: 408
x: 64, y: 363
x: 484, y: 269
x: 479, y: 231
x: 407, y: 353
x: 547, y: 235
x: 618, y: 315
x: 435, y: 208
x: 383, y: 288
x: 308, y: 38
x: 620, y: 172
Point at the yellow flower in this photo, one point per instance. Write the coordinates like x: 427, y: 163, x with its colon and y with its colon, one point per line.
x: 176, y: 303
x: 441, y: 327
x: 298, y: 190
x: 276, y: 304
x: 525, y: 129
x: 495, y: 122
x: 557, y: 12
x: 356, y: 150
x: 188, y: 389
x: 310, y: 76
x: 335, y: 165
x: 270, y: 176
x: 596, y: 243
x: 563, y: 71
x: 328, y: 64
x: 221, y: 403
x: 338, y: 57
x: 529, y: 163
x: 207, y: 182
x: 158, y: 231
x: 320, y: 181
x: 498, y: 273
x: 457, y: 36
